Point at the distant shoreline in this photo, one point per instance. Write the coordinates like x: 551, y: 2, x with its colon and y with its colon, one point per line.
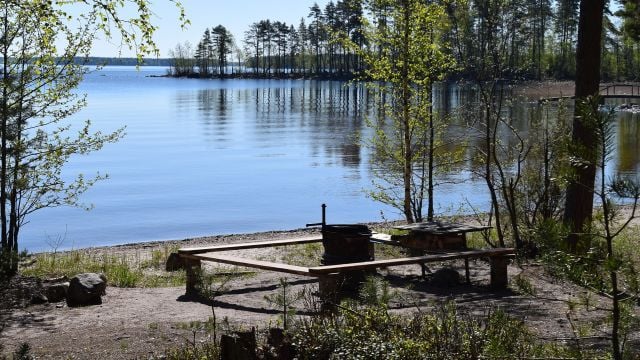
x: 116, y: 61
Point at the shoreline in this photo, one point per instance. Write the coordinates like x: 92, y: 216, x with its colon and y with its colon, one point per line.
x: 216, y: 239
x: 219, y: 239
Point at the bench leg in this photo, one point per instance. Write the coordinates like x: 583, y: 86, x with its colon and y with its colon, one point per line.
x: 328, y: 286
x: 499, y: 279
x: 329, y: 291
x: 194, y: 270
x: 371, y: 250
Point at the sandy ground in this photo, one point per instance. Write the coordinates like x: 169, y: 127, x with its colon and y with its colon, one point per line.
x: 143, y: 322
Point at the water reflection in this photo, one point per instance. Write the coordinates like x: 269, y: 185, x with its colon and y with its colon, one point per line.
x: 328, y: 115
x: 213, y: 108
x: 331, y: 114
x: 628, y: 143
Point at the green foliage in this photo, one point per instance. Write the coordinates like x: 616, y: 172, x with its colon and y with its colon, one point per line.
x: 23, y: 352
x: 211, y: 54
x: 513, y: 39
x: 159, y: 257
x: 383, y: 251
x: 285, y: 301
x: 480, y: 239
x: 406, y: 56
x: 630, y: 12
x: 195, y: 349
x: 626, y: 247
x: 550, y: 235
x: 201, y: 351
x: 525, y: 174
x: 599, y: 264
x: 545, y: 172
x: 523, y: 285
x: 372, y: 332
x: 375, y: 292
x: 586, y: 270
x: 197, y: 326
x: 40, y: 42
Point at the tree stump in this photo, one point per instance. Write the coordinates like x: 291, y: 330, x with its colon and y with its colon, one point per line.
x: 241, y: 345
x: 280, y: 344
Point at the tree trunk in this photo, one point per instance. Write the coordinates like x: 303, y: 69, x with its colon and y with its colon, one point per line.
x: 5, y: 249
x: 490, y: 138
x: 579, y: 200
x: 431, y: 162
x: 408, y: 153
x: 615, y: 315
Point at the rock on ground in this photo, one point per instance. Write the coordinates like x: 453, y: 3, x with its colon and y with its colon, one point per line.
x: 86, y: 289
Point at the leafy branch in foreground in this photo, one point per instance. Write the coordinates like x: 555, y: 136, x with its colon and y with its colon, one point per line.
x: 609, y: 266
x: 40, y: 42
x: 613, y: 220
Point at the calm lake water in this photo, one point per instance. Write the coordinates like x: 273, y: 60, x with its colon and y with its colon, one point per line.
x: 205, y: 157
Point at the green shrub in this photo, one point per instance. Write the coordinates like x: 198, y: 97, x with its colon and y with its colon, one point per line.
x: 522, y: 285
x: 159, y: 257
x: 202, y: 351
x: 121, y: 274
x: 23, y: 352
x: 549, y: 235
x: 372, y: 332
x: 375, y: 291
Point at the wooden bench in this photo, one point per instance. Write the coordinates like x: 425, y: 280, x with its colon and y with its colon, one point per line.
x: 329, y: 275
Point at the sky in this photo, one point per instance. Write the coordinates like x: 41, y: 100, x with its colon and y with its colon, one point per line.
x: 235, y: 15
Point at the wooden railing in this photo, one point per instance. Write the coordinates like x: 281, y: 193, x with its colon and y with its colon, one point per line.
x: 627, y: 90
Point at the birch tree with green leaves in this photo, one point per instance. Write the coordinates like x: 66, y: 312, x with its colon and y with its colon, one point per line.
x: 404, y: 58
x: 41, y: 48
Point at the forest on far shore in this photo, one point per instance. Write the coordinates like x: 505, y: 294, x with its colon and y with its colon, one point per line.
x: 538, y: 41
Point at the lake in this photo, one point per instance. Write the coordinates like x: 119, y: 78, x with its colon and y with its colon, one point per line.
x: 204, y: 157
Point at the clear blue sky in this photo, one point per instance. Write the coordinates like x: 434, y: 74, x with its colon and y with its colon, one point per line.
x: 235, y: 15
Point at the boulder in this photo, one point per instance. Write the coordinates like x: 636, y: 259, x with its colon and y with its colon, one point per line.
x: 445, y: 277
x: 57, y: 291
x: 38, y: 298
x: 86, y: 289
x: 174, y: 262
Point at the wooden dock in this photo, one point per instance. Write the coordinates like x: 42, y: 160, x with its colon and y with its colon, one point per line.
x: 611, y: 91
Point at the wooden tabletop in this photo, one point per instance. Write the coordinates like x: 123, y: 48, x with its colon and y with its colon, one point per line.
x: 441, y: 227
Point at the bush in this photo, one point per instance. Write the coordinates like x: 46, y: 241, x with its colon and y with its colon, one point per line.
x: 204, y: 351
x: 372, y: 332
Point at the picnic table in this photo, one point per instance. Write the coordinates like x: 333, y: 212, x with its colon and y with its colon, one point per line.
x: 437, y: 235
